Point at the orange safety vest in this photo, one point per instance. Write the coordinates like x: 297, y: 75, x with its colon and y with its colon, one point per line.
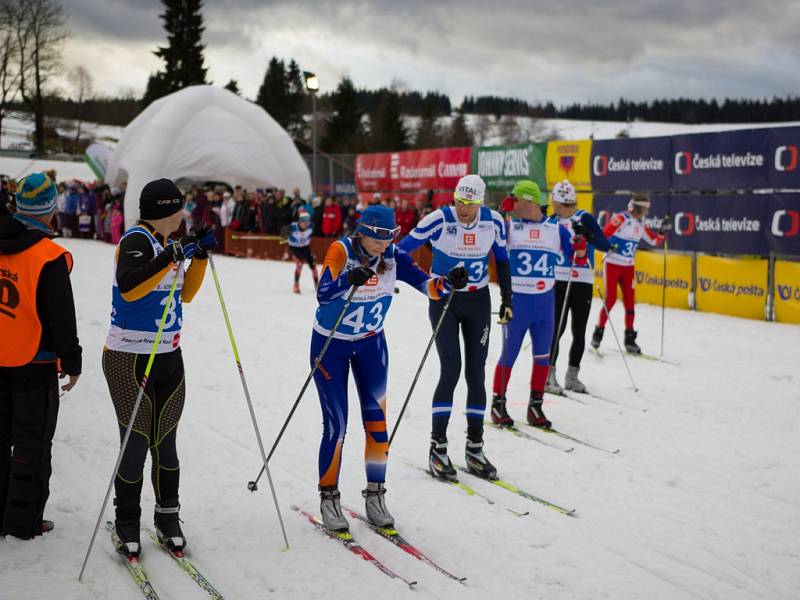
x: 20, y: 327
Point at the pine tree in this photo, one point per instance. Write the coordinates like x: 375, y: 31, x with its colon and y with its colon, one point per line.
x: 295, y: 99
x: 428, y: 133
x: 344, y: 131
x: 459, y: 135
x: 183, y: 54
x: 272, y: 95
x: 387, y: 131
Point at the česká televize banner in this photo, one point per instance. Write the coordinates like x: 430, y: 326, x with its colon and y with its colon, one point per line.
x: 729, y: 160
x: 502, y: 166
x: 745, y: 224
x: 437, y: 169
x: 637, y: 164
x: 785, y: 158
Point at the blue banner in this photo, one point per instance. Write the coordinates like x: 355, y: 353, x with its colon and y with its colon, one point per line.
x: 783, y: 224
x: 638, y: 164
x: 784, y: 157
x: 606, y: 205
x: 727, y: 160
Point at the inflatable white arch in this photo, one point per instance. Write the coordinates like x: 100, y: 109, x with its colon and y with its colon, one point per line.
x: 205, y: 133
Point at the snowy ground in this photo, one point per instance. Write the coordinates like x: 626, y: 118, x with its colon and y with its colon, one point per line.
x: 701, y: 502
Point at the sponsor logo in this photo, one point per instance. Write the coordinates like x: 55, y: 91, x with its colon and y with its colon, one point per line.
x: 135, y: 253
x: 451, y: 229
x: 534, y: 234
x: 707, y: 284
x: 372, y: 281
x: 394, y: 166
x: 452, y: 169
x: 603, y: 165
x: 518, y: 227
x: 779, y: 223
x: 176, y: 339
x: 504, y: 163
x: 787, y: 293
x: 786, y: 158
x: 684, y: 223
x: 686, y: 162
x: 644, y: 278
x: 603, y: 217
x: 567, y: 155
x: 469, y: 239
x: 540, y: 285
x: 687, y: 224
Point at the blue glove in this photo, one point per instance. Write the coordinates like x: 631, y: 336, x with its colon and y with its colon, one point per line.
x: 206, y: 241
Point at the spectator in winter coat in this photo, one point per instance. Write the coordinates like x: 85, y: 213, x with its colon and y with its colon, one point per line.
x: 331, y: 218
x: 350, y: 221
x: 405, y: 217
x: 316, y: 213
x: 117, y: 222
x: 86, y: 212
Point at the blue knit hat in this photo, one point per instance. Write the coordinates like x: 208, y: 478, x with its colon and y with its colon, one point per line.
x: 378, y: 222
x: 36, y: 195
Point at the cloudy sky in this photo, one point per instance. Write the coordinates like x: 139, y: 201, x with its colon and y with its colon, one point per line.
x: 576, y: 50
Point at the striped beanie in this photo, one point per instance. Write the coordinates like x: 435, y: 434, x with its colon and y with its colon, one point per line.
x: 36, y: 195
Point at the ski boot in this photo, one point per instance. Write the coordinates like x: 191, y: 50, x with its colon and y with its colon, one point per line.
x: 127, y: 526
x: 552, y: 386
x: 331, y: 509
x: 535, y: 413
x: 630, y: 342
x: 571, y: 381
x: 377, y: 513
x: 168, y: 527
x: 439, y: 463
x: 477, y: 463
x: 500, y: 415
x: 597, y: 337
x: 296, y: 288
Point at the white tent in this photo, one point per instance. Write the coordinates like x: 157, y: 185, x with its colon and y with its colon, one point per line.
x: 205, y: 133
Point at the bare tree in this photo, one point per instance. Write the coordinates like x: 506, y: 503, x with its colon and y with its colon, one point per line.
x: 483, y: 129
x: 9, y: 73
x: 41, y: 30
x: 83, y: 88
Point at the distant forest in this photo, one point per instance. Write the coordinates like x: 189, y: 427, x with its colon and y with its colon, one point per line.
x: 120, y: 111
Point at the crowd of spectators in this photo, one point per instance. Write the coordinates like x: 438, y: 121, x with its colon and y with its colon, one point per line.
x: 95, y: 210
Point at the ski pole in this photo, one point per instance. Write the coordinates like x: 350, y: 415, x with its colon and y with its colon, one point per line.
x: 253, y: 485
x: 563, y: 318
x: 422, y: 362
x: 247, y: 394
x: 136, y: 404
x: 616, y: 339
x: 663, y: 296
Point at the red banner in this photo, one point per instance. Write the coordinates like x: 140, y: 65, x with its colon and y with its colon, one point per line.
x: 438, y: 169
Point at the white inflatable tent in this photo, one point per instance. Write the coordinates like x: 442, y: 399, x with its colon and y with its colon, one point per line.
x: 205, y: 133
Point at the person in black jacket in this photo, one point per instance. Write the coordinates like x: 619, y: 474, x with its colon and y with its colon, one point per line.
x: 39, y: 339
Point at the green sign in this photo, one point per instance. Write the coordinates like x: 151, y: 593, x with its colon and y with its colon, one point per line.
x: 502, y: 166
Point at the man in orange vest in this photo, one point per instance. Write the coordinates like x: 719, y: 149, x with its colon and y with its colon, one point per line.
x: 39, y: 340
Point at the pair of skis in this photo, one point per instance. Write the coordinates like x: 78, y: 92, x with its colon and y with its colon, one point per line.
x: 142, y: 580
x: 348, y: 541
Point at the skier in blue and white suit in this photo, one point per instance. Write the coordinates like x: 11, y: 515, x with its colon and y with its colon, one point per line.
x: 369, y: 262
x: 464, y: 235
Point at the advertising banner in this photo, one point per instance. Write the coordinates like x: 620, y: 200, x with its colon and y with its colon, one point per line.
x: 437, y: 169
x: 649, y: 268
x: 784, y: 156
x: 569, y: 160
x: 787, y: 291
x: 732, y: 286
x: 636, y: 164
x: 502, y: 166
x: 585, y: 201
x: 783, y: 224
x: 727, y: 160
x: 606, y: 205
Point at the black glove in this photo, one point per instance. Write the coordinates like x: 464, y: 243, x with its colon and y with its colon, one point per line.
x: 457, y: 278
x: 359, y: 276
x: 666, y: 224
x: 181, y: 249
x: 505, y: 312
x: 580, y: 229
x: 206, y: 240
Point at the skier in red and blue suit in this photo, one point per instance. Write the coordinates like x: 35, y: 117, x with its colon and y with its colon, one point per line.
x: 370, y: 262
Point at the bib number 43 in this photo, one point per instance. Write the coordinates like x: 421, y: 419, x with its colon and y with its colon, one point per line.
x: 355, y: 319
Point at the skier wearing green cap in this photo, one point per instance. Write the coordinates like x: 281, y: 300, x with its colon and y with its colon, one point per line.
x: 535, y: 245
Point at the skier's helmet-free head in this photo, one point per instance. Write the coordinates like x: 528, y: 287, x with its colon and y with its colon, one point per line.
x: 303, y: 216
x: 527, y: 190
x: 564, y: 193
x: 470, y: 190
x: 378, y: 222
x: 639, y: 203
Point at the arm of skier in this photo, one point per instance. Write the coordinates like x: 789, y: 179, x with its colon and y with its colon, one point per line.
x: 429, y: 228
x: 333, y: 281
x: 595, y: 235
x: 501, y: 262
x: 409, y: 272
x: 138, y: 271
x: 653, y: 238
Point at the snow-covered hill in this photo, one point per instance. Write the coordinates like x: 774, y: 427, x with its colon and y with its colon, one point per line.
x: 701, y: 501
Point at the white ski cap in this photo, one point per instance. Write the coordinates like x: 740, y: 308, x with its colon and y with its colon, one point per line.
x: 563, y: 193
x: 470, y: 189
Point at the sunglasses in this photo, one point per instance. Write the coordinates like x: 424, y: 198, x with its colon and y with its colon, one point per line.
x: 382, y: 233
x: 468, y: 202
